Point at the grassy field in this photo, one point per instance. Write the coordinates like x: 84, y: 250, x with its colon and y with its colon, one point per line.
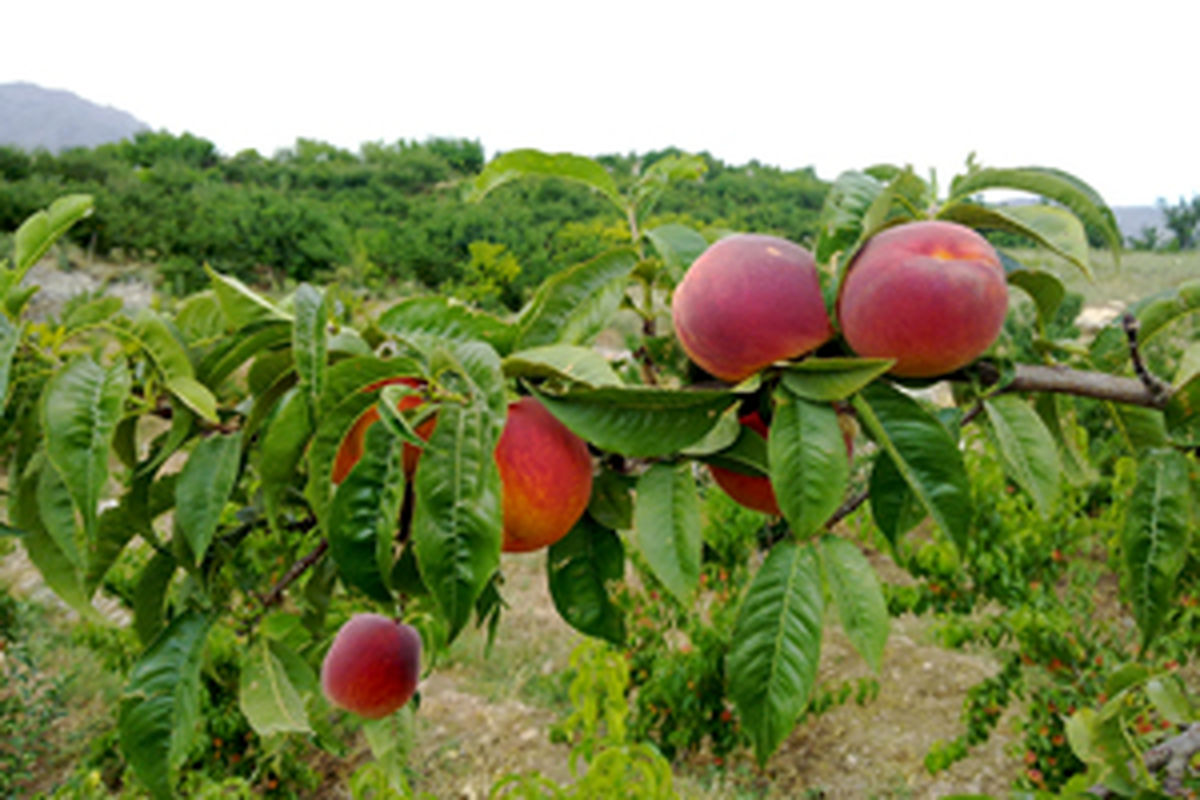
x: 1136, y: 275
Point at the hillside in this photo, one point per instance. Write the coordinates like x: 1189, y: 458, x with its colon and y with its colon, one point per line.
x: 32, y: 117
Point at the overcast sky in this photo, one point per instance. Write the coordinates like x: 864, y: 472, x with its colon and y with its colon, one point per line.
x: 1113, y: 96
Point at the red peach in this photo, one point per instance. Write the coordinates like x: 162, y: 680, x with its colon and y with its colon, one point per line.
x: 372, y: 666
x: 351, y: 448
x: 747, y: 301
x: 545, y: 474
x: 931, y: 295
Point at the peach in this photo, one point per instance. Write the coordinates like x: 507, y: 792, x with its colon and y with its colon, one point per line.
x: 351, y: 448
x: 747, y: 301
x: 931, y: 295
x: 751, y: 491
x: 372, y: 666
x: 545, y: 475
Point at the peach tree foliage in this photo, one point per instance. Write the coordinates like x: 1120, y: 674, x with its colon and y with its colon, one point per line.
x: 177, y: 438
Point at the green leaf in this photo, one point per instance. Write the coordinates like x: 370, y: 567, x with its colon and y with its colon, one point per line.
x: 579, y: 568
x: 529, y: 163
x: 565, y: 362
x: 254, y: 339
x: 457, y: 518
x: 772, y: 664
x: 199, y: 319
x: 160, y: 708
x: 1053, y: 228
x: 308, y: 341
x: 610, y: 503
x: 10, y: 338
x: 1182, y: 414
x: 1189, y: 364
x: 1058, y: 412
x: 573, y: 306
x: 638, y: 421
x: 660, y: 175
x: 58, y: 515
x: 365, y: 514
x: 82, y: 405
x: 894, y: 507
x: 282, y: 449
x: 1170, y: 700
x: 1053, y: 184
x: 421, y: 318
x: 57, y: 569
x: 240, y: 304
x: 90, y: 314
x: 720, y: 437
x: 1156, y: 537
x: 858, y: 596
x: 149, y: 596
x: 204, y: 486
x: 42, y: 229
x: 808, y: 463
x: 747, y: 455
x: 825, y: 380
x: 923, y: 452
x: 666, y: 527
x: 678, y: 246
x: 266, y: 694
x: 841, y: 220
x: 1046, y: 290
x: 1027, y: 449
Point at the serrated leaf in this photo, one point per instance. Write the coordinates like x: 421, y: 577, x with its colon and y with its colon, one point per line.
x: 82, y: 405
x: 58, y: 515
x: 308, y: 341
x: 1026, y: 448
x: 240, y: 304
x: 722, y: 436
x: 1154, y: 542
x: 858, y: 596
x: 160, y: 706
x: 580, y: 365
x: 444, y: 318
x: 826, y: 380
x: 1046, y: 290
x: 1056, y: 229
x: 660, y: 175
x: 678, y: 246
x: 365, y: 514
x: 923, y: 452
x: 267, y: 696
x: 579, y: 568
x: 841, y: 220
x: 457, y: 518
x: 1170, y: 700
x: 638, y: 421
x: 894, y: 507
x: 534, y: 163
x: 42, y: 229
x: 195, y: 396
x: 203, y: 488
x: 772, y: 664
x: 808, y: 465
x: 666, y: 526
x: 254, y: 339
x: 10, y: 338
x: 1053, y: 184
x: 573, y: 306
x: 199, y: 319
x: 149, y: 596
x: 1058, y: 412
x: 1182, y: 414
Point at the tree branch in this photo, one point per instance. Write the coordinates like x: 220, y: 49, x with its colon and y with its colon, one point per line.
x: 1171, y: 758
x: 275, y: 596
x: 1081, y: 383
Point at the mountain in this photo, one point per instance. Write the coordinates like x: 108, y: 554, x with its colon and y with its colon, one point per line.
x: 1132, y: 219
x: 32, y: 117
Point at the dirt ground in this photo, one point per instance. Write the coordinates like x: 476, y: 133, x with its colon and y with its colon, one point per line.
x: 466, y: 740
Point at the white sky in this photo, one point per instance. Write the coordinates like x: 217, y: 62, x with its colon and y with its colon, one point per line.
x: 1108, y: 91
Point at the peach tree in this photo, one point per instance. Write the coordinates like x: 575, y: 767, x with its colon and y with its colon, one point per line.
x: 207, y: 460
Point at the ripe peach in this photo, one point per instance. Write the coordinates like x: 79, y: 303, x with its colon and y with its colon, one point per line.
x: 351, y: 448
x: 546, y: 477
x: 931, y: 295
x: 751, y: 491
x: 747, y: 301
x: 372, y: 666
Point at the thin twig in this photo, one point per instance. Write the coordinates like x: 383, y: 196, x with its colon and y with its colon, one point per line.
x: 275, y: 596
x: 1157, y: 387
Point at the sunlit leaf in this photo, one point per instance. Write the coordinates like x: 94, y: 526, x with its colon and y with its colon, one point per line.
x: 534, y: 163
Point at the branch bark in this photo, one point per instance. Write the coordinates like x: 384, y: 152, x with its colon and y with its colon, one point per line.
x: 1171, y: 758
x: 1081, y: 383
